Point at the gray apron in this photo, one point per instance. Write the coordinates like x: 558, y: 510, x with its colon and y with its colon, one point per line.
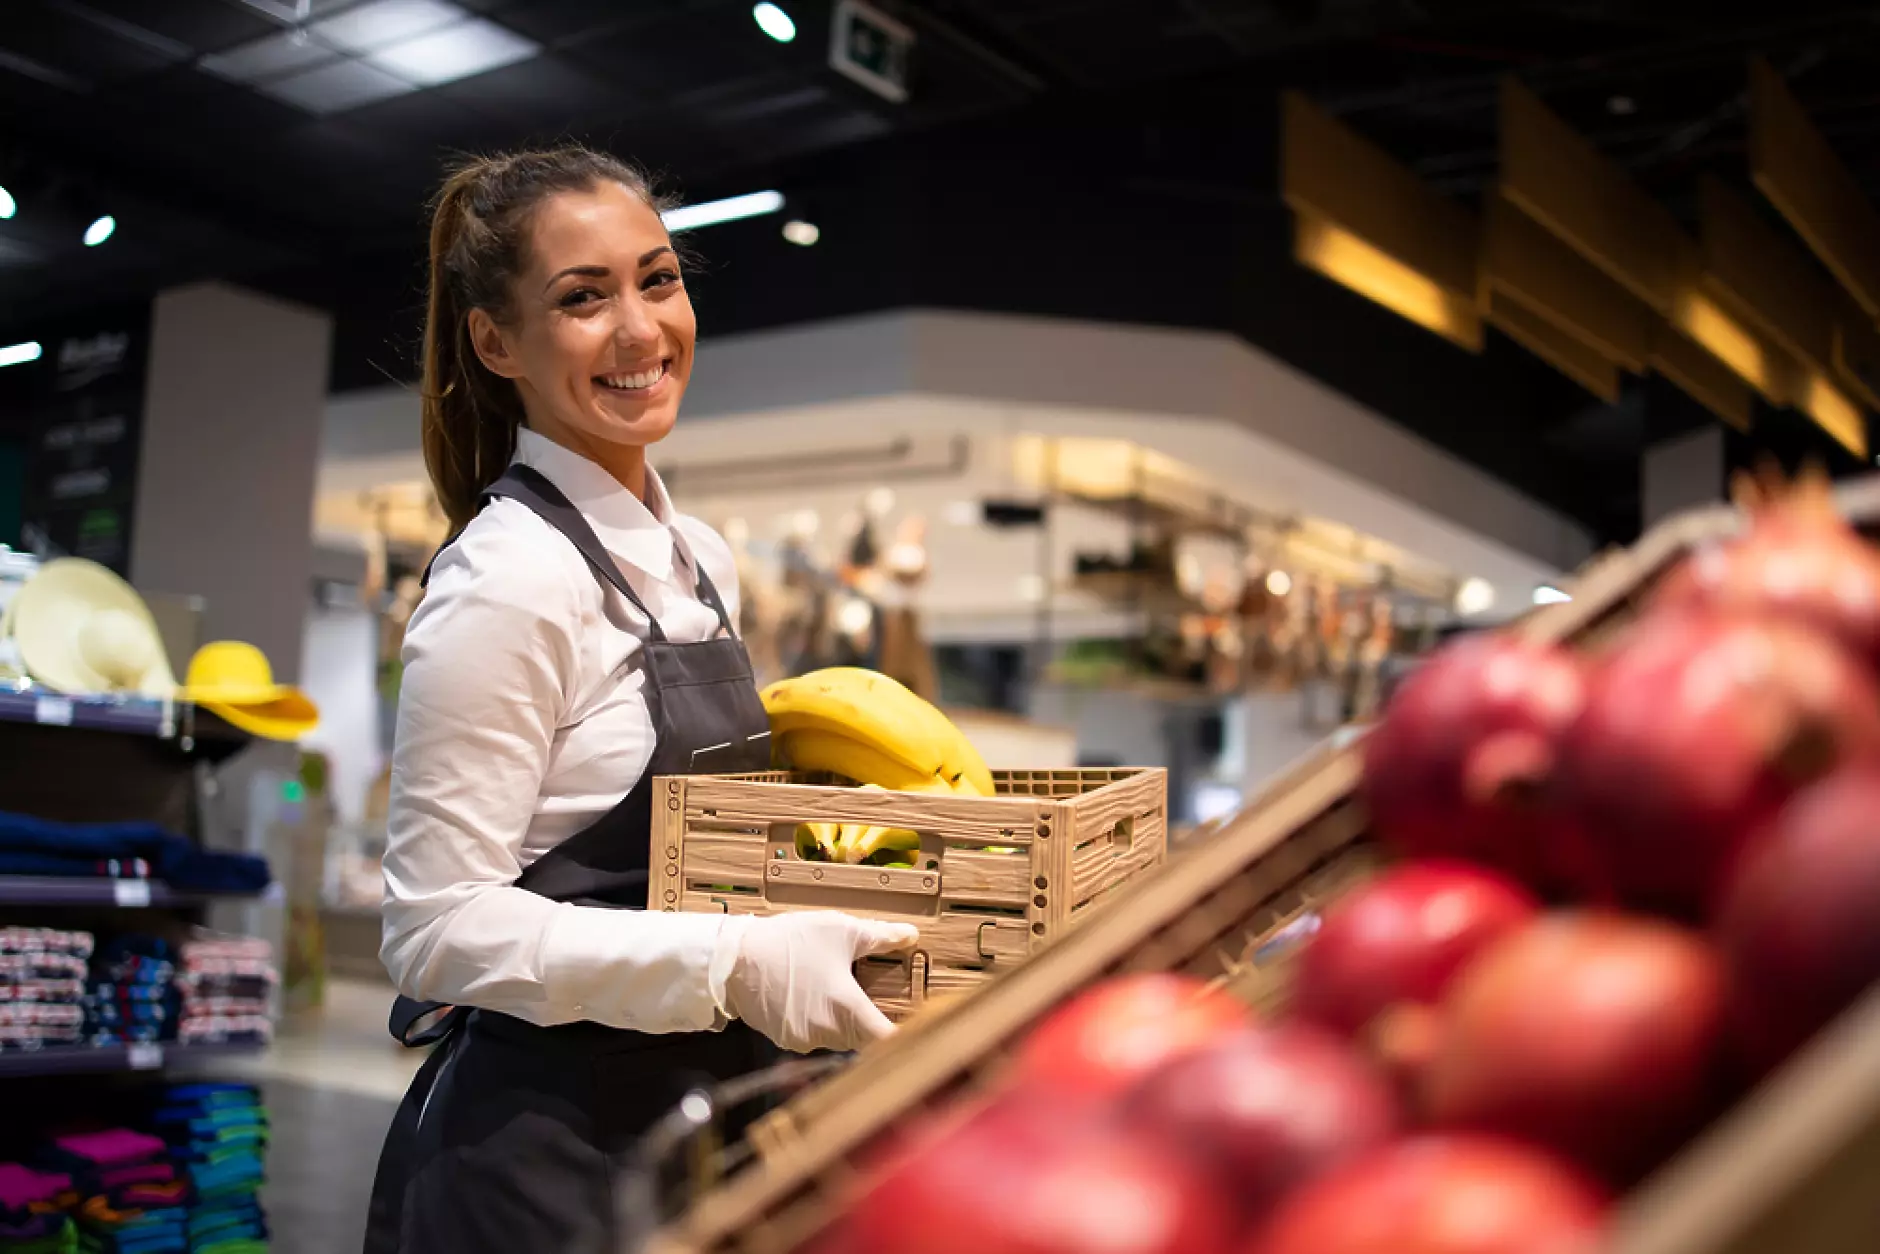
x: 512, y: 1136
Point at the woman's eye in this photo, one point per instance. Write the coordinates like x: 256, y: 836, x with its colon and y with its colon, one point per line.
x: 660, y: 278
x: 579, y: 296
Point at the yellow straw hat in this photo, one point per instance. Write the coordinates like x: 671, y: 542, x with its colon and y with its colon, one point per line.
x: 233, y: 679
x: 82, y: 630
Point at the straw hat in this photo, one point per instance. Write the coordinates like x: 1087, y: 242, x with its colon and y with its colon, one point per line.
x: 82, y: 630
x: 233, y: 679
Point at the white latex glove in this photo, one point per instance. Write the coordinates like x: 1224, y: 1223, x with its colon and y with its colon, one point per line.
x: 789, y: 976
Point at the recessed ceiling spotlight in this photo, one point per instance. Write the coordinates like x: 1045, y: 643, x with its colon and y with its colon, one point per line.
x: 100, y: 230
x: 774, y: 22
x: 7, y: 207
x: 801, y: 233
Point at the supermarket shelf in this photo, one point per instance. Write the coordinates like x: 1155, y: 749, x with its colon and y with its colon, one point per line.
x: 194, y: 729
x: 137, y: 717
x: 101, y: 1059
x: 53, y: 890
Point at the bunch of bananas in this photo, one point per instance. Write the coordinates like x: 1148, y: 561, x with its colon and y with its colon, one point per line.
x: 865, y: 727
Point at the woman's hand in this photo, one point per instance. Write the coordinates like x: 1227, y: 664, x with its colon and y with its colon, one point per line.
x: 789, y: 976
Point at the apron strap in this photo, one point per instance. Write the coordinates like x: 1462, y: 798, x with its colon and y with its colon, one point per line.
x: 408, y: 1013
x: 532, y: 488
x: 707, y: 592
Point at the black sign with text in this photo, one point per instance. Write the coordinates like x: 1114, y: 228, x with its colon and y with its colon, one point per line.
x: 82, y: 429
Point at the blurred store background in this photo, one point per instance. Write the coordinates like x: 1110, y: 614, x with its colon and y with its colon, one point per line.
x: 1146, y: 382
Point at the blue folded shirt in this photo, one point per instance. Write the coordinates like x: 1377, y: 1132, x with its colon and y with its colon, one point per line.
x: 174, y: 859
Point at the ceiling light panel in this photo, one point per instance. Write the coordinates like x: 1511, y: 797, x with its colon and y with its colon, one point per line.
x: 382, y: 23
x: 337, y: 87
x: 271, y: 57
x: 444, y: 56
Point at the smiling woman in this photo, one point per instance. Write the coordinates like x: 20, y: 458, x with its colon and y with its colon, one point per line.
x: 572, y: 646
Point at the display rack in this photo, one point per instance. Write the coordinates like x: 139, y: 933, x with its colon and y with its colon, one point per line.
x: 104, y: 1059
x: 133, y: 717
x: 54, y: 890
x: 103, y: 759
x: 192, y: 728
x: 1159, y: 495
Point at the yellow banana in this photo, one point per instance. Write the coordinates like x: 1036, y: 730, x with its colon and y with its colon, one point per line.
x: 843, y: 705
x: 819, y: 842
x: 884, y: 840
x: 812, y: 749
x: 864, y: 706
x: 959, y: 760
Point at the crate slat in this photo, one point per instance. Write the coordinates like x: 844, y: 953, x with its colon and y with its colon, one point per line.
x: 976, y: 878
x: 722, y: 858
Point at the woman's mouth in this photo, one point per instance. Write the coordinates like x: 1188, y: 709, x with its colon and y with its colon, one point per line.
x: 634, y: 380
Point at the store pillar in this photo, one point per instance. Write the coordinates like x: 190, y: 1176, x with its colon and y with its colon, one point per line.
x: 1682, y: 472
x: 232, y: 409
x: 234, y: 397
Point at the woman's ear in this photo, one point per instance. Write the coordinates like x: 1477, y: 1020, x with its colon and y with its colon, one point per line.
x: 492, y: 346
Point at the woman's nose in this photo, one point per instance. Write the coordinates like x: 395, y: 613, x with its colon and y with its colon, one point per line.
x: 636, y: 324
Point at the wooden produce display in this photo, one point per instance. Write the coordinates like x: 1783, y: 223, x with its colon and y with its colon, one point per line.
x: 995, y: 880
x: 1789, y: 1168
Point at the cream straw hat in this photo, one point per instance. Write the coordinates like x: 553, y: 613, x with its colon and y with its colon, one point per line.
x: 82, y: 630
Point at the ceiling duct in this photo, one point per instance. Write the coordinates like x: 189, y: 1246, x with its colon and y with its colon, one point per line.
x: 1370, y: 224
x: 1792, y: 164
x: 1525, y: 264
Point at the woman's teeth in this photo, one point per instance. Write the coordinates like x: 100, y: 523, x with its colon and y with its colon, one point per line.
x: 638, y: 381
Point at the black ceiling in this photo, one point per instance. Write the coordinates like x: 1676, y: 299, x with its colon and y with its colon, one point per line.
x: 1108, y: 159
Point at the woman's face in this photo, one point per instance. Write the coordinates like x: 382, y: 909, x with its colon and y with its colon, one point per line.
x: 600, y: 330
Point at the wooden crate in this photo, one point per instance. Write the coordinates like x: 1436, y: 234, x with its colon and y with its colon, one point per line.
x: 998, y: 878
x: 1791, y: 1169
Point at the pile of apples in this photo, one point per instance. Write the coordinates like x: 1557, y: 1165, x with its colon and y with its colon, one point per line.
x: 1629, y: 882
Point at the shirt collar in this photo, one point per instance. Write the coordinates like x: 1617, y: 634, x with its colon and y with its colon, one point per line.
x: 638, y: 533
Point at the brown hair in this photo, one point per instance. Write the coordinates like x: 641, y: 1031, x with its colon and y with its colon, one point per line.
x: 479, y: 237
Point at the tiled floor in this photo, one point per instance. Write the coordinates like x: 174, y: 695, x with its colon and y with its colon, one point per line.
x: 332, y: 1081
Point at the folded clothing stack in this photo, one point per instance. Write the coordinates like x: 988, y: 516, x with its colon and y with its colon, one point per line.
x: 35, y: 846
x: 133, y: 1197
x: 42, y: 987
x: 221, y: 1132
x: 226, y: 989
x: 32, y: 1212
x: 133, y: 995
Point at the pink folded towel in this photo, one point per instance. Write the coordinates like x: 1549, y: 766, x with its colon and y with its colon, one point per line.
x: 119, y: 1145
x: 22, y: 1186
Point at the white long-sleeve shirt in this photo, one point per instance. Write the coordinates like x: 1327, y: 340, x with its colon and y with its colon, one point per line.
x: 522, y: 719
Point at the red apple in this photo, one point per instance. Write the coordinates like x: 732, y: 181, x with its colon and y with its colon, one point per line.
x: 1266, y: 1109
x: 1011, y: 1181
x: 1442, y: 1195
x: 1401, y: 938
x: 1103, y: 1040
